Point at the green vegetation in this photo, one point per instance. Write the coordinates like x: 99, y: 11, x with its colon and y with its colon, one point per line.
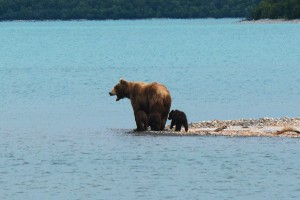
x: 123, y: 9
x: 277, y: 9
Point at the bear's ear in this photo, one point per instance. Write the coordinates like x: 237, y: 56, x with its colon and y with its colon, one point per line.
x: 122, y: 81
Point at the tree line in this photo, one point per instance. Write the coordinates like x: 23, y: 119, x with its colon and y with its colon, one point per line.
x: 277, y: 9
x: 123, y: 9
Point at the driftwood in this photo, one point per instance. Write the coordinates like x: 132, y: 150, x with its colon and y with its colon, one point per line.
x: 221, y: 128
x: 287, y: 129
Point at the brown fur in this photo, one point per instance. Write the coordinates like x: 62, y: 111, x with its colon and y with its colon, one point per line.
x: 154, y: 121
x: 148, y: 97
x: 141, y: 120
x: 179, y: 119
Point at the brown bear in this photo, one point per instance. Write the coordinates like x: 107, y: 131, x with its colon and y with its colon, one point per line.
x: 179, y: 119
x: 148, y: 97
x: 141, y: 120
x: 154, y: 121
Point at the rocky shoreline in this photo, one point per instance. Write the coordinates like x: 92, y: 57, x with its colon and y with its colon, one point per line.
x: 270, y: 21
x: 262, y: 127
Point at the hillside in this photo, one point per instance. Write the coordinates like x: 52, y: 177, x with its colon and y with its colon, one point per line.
x: 277, y: 9
x: 122, y: 9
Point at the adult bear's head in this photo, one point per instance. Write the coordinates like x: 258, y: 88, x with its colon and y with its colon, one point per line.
x: 121, y: 90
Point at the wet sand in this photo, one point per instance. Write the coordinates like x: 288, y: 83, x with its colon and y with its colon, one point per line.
x: 262, y: 127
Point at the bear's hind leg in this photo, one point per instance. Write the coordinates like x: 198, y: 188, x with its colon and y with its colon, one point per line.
x: 164, y: 121
x: 186, y: 127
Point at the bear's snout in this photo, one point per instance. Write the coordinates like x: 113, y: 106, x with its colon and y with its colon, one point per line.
x: 112, y: 93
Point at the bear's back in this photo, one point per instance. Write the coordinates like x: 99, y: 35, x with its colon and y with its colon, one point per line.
x: 157, y: 91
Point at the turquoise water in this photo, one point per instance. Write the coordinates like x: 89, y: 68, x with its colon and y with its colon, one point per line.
x: 64, y: 137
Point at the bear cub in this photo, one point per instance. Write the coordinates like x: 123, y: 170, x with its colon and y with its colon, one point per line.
x: 155, y: 121
x: 179, y: 119
x: 141, y: 121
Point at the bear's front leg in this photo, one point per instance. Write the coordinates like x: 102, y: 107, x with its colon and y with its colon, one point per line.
x: 141, y: 121
x: 172, y: 124
x: 136, y: 108
x: 178, y: 126
x: 140, y: 126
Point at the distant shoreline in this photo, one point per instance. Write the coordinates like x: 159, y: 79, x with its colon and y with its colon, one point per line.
x: 121, y: 19
x: 270, y: 21
x: 239, y: 20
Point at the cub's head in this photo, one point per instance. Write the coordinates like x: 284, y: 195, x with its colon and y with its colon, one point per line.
x: 120, y: 90
x: 171, y: 115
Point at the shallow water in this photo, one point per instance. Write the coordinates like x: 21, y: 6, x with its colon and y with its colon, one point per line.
x: 64, y: 137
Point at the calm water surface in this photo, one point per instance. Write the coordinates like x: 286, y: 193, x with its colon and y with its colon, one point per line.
x: 64, y: 137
